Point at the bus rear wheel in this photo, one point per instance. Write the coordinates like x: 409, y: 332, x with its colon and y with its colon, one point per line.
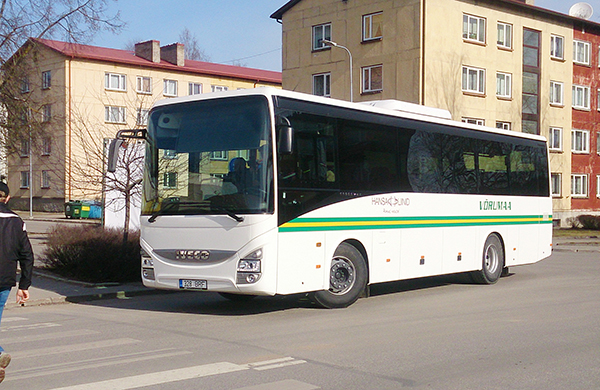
x: 347, y: 278
x: 492, y: 261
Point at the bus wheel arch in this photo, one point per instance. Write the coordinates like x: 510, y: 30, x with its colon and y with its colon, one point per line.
x: 493, y: 260
x: 348, y: 276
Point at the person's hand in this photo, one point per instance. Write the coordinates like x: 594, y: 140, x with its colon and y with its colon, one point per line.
x: 22, y: 296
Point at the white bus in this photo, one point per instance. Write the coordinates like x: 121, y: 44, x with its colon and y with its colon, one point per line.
x: 264, y: 192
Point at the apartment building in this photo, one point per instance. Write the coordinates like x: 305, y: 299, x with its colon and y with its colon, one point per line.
x: 82, y: 94
x: 500, y: 63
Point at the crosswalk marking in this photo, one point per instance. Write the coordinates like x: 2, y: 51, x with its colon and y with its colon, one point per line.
x: 288, y: 384
x: 74, y: 347
x: 275, y: 363
x: 47, y: 336
x: 13, y: 319
x: 20, y: 328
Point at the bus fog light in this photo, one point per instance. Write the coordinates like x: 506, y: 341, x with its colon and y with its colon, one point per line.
x: 251, y: 278
x: 148, y: 273
x: 146, y: 259
x: 247, y: 278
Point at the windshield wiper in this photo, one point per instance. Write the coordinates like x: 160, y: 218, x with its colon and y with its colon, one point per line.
x: 173, y: 203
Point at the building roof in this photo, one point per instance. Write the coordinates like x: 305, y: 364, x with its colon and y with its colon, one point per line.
x: 510, y: 3
x: 128, y: 57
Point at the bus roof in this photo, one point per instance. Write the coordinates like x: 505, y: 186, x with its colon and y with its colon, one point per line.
x: 395, y: 108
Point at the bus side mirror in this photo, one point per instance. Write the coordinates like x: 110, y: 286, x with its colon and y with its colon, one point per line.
x: 113, y: 154
x: 285, y: 139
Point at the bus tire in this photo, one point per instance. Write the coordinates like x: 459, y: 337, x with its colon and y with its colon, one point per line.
x: 347, y: 278
x: 492, y: 261
x: 237, y: 297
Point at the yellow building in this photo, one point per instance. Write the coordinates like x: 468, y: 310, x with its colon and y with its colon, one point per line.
x: 501, y: 63
x: 81, y: 94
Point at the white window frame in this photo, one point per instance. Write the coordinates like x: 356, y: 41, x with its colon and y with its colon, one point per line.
x: 581, y: 52
x: 368, y: 34
x: 557, y: 47
x: 166, y: 181
x: 468, y: 33
x: 45, y: 179
x: 46, y: 113
x: 505, y: 34
x: 556, y: 184
x: 143, y: 85
x: 25, y: 179
x: 46, y: 146
x: 194, y: 88
x: 142, y: 117
x: 367, y: 78
x: 25, y: 87
x: 581, y: 97
x: 479, y: 85
x: 24, y: 148
x: 503, y: 125
x: 579, y: 185
x: 46, y: 79
x: 473, y: 121
x: 555, y: 139
x: 598, y: 142
x: 598, y: 99
x: 557, y: 93
x: 597, y: 186
x: 320, y: 32
x: 170, y: 87
x: 219, y: 155
x: 115, y: 82
x: 326, y: 77
x: 503, y: 85
x: 580, y: 141
x: 115, y: 114
x: 218, y: 88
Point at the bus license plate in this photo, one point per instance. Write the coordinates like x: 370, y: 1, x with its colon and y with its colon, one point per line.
x: 193, y: 284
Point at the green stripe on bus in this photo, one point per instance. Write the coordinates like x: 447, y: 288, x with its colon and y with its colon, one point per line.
x: 326, y: 224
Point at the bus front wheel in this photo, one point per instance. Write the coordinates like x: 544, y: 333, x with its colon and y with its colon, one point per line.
x: 492, y: 261
x: 347, y: 278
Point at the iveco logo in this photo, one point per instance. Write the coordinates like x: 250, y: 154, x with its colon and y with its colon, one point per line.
x: 192, y: 255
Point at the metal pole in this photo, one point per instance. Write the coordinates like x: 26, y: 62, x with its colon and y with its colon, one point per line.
x: 30, y: 177
x: 334, y: 44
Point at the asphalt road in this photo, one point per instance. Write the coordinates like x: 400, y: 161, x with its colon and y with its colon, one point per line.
x: 536, y: 329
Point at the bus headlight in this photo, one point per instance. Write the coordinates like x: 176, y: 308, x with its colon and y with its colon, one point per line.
x: 249, y: 267
x: 147, y: 265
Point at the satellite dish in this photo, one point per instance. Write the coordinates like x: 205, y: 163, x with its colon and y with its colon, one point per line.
x: 581, y: 10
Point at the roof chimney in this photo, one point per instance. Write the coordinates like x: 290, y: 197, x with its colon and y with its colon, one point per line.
x: 173, y: 53
x: 149, y: 50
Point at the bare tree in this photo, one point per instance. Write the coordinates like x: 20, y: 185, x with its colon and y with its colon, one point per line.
x: 69, y: 20
x: 192, y: 47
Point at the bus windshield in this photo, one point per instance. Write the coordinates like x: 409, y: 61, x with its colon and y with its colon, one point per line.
x: 209, y: 157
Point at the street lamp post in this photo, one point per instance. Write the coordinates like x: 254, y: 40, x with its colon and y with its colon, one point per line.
x: 333, y: 44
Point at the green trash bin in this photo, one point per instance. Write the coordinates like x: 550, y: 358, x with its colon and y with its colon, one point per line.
x: 85, y: 210
x: 73, y: 209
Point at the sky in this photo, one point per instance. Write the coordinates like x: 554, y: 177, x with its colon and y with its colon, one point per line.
x: 227, y: 30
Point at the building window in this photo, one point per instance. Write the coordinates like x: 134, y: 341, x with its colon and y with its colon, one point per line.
x: 598, y: 142
x: 46, y: 112
x: 46, y: 79
x: 114, y: 114
x: 372, y: 78
x: 142, y: 117
x: 473, y: 80
x: 218, y: 88
x: 373, y: 26
x: 504, y: 35
x: 115, y: 82
x: 46, y: 146
x: 219, y: 155
x: 322, y: 84
x: 474, y: 121
x: 555, y: 184
x: 503, y: 125
x: 170, y: 154
x: 556, y: 93
x: 580, y: 141
x: 170, y: 180
x: 24, y: 179
x: 599, y: 100
x: 143, y: 84
x: 557, y: 47
x: 320, y: 32
x: 24, y: 149
x: 581, y: 52
x: 45, y: 179
x: 597, y: 186
x: 170, y: 88
x: 473, y: 28
x: 25, y: 84
x: 555, y: 139
x: 503, y: 85
x: 581, y: 97
x: 579, y: 185
x: 195, y: 88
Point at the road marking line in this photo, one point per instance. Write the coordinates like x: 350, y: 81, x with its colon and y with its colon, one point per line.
x: 288, y: 384
x: 93, y: 364
x: 40, y: 325
x: 48, y: 336
x: 157, y: 378
x: 13, y: 319
x: 279, y: 365
x: 74, y: 348
x: 272, y: 361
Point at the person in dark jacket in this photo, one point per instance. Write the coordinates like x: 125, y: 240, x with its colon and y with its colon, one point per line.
x: 14, y: 247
